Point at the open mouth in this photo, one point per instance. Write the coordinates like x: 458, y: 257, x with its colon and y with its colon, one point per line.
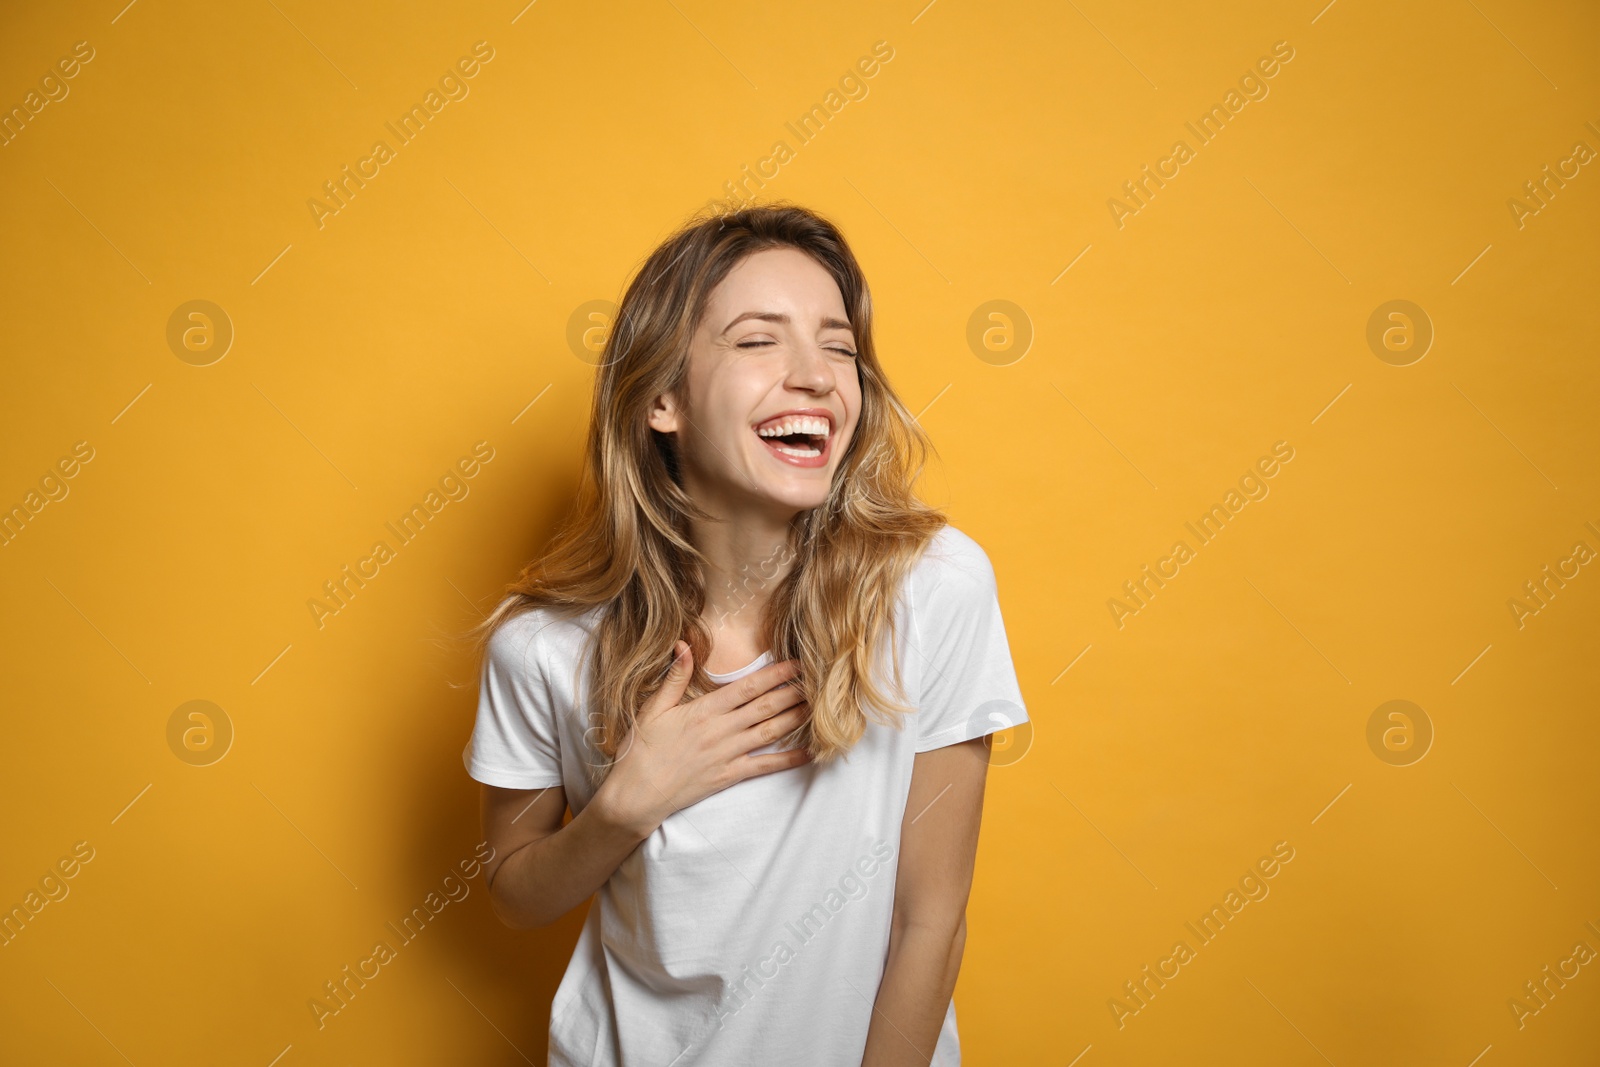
x: 801, y: 440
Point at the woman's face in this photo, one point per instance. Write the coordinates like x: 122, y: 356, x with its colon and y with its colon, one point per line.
x: 773, y: 394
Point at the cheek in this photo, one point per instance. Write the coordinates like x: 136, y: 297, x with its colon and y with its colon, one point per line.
x: 720, y: 421
x: 852, y: 404
x: 712, y: 438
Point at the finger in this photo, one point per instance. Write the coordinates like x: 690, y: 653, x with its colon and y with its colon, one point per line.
x: 676, y: 681
x: 769, y: 762
x: 767, y: 679
x: 766, y: 706
x: 769, y: 730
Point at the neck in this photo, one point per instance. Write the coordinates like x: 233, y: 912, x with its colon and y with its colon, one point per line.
x: 745, y: 561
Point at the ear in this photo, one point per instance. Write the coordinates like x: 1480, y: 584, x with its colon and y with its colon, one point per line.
x: 664, y: 416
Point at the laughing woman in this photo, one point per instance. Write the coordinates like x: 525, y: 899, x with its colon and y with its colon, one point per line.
x: 749, y: 663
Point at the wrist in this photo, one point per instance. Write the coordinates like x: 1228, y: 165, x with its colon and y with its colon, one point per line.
x: 619, y: 815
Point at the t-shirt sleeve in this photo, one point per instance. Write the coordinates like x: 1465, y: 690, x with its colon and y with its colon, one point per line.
x: 515, y: 743
x: 969, y: 684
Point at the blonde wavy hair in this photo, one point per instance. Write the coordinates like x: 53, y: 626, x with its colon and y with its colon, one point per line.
x: 625, y: 545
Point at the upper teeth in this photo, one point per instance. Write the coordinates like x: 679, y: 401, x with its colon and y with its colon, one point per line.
x: 793, y: 424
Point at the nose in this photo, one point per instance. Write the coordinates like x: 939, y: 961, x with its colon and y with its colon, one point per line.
x: 811, y: 370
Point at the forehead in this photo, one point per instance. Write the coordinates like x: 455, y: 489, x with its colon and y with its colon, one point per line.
x: 785, y: 279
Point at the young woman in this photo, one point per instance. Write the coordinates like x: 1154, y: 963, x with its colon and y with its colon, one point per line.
x: 700, y: 665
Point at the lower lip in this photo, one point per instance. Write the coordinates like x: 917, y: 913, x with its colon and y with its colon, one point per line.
x: 819, y: 460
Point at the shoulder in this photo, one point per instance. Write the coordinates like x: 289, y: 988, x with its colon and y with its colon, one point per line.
x: 529, y: 641
x: 953, y: 565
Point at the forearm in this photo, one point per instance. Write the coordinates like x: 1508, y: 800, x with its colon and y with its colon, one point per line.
x: 918, y: 980
x: 545, y: 879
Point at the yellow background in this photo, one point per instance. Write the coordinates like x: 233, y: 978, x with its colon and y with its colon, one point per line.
x: 1228, y: 314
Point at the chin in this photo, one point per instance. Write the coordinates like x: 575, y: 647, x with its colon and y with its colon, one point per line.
x: 798, y: 501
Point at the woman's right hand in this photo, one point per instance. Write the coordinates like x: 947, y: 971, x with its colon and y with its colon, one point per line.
x: 679, y: 754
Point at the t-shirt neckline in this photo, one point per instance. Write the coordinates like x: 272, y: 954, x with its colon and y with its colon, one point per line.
x: 749, y: 668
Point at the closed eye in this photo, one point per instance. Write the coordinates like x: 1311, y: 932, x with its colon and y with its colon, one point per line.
x: 758, y: 344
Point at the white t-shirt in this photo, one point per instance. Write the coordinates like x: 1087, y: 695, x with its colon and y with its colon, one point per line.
x: 753, y: 926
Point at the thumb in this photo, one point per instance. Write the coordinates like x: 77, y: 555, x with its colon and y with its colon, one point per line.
x: 677, y: 680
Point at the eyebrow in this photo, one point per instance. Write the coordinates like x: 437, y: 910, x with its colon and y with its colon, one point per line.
x: 779, y: 317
